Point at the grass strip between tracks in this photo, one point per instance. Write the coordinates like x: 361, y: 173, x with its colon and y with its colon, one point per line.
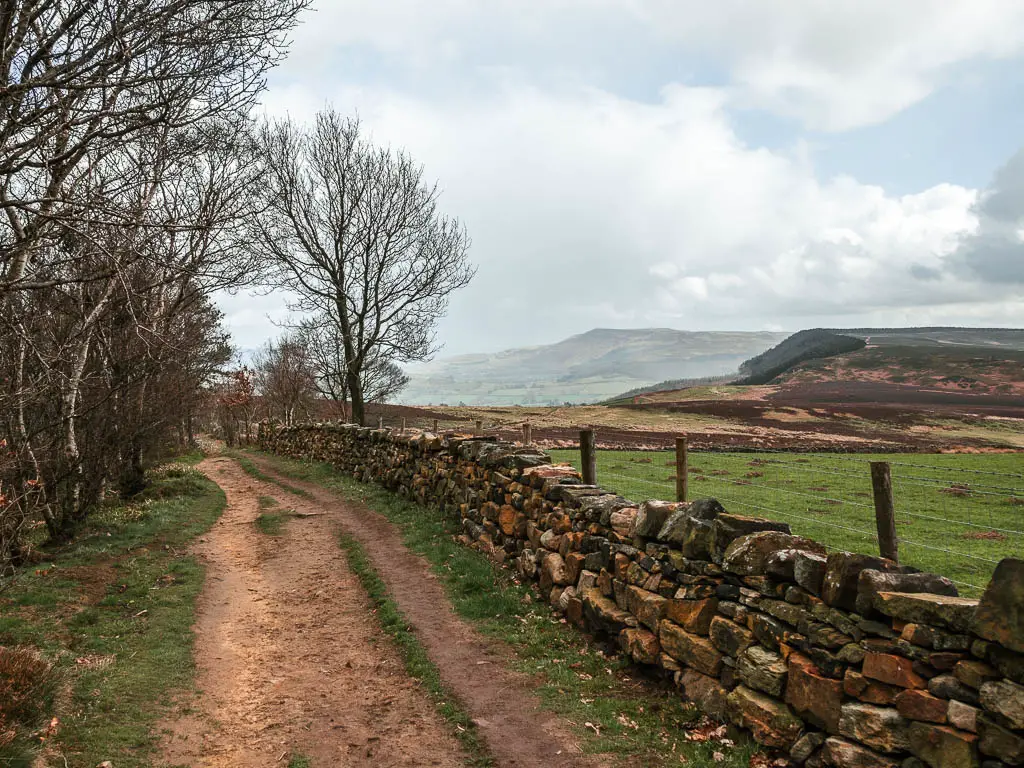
x: 417, y: 662
x: 250, y: 468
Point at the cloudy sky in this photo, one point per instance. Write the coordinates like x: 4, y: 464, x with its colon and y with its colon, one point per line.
x: 728, y: 165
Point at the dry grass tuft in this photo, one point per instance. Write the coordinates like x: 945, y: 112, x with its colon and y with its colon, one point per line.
x: 984, y: 535
x: 957, y: 489
x: 27, y: 685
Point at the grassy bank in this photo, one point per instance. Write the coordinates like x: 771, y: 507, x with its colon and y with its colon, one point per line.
x: 956, y: 514
x: 603, y: 696
x: 112, y: 613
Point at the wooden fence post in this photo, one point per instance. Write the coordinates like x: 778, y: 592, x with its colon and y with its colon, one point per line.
x: 380, y: 422
x: 682, y: 467
x: 588, y: 456
x: 885, y: 510
x: 435, y: 426
x: 403, y: 425
x: 527, y: 434
x: 479, y: 430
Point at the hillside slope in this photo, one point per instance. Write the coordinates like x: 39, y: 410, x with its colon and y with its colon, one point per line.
x: 588, y: 367
x: 994, y: 338
x: 805, y: 345
x: 974, y: 370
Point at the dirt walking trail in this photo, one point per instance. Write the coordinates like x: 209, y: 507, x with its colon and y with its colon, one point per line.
x: 291, y: 660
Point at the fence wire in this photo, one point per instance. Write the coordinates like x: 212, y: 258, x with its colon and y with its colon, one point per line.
x: 957, y: 519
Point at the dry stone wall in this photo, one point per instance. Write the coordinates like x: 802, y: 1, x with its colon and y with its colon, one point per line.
x: 832, y: 658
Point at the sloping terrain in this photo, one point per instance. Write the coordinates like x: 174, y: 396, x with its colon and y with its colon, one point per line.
x: 969, y: 370
x: 591, y: 366
x: 995, y: 338
x: 805, y: 345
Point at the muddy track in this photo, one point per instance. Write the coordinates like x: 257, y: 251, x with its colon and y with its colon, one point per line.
x: 291, y: 660
x: 517, y: 732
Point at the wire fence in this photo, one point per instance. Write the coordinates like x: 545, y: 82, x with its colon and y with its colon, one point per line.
x: 956, y: 515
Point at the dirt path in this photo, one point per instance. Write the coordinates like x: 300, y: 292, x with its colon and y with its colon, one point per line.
x: 517, y: 731
x: 290, y: 659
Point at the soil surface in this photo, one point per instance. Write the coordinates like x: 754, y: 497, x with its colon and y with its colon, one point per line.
x: 291, y: 661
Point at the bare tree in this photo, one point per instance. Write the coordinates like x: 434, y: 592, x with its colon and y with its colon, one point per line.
x: 355, y: 232
x: 85, y: 76
x: 122, y: 123
x: 381, y: 379
x: 285, y: 379
x: 235, y: 403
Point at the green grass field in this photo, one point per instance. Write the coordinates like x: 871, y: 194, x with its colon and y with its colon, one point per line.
x: 956, y: 514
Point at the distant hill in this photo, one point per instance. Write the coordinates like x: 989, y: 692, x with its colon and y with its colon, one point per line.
x: 969, y: 369
x: 589, y: 367
x: 805, y: 345
x: 972, y: 360
x: 991, y: 338
x: 978, y: 360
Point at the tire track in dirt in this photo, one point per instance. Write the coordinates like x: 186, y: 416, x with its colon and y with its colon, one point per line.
x: 290, y: 659
x: 518, y: 733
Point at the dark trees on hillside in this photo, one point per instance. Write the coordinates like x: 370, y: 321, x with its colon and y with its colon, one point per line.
x: 355, y: 232
x: 803, y: 345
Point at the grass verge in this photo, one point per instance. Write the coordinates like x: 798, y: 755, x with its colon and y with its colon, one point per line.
x: 417, y: 662
x: 250, y: 468
x: 113, y: 613
x: 613, y: 708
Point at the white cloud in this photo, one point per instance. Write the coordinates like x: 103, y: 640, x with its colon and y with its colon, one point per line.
x: 993, y: 251
x: 833, y: 65
x: 589, y: 207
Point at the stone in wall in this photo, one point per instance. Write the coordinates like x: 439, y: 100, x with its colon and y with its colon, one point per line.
x: 651, y: 517
x: 955, y: 613
x: 940, y: 746
x: 727, y: 528
x: 842, y: 577
x: 771, y: 722
x: 817, y: 697
x: 871, y: 582
x: 1000, y: 614
x: 844, y: 754
x: 693, y: 650
x: 749, y: 555
x: 880, y: 728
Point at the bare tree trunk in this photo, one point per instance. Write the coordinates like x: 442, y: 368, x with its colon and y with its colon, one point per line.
x: 133, y: 474
x: 26, y: 444
x: 355, y: 391
x: 71, y: 496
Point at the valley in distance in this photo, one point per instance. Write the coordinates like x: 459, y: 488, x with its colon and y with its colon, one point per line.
x: 870, y: 390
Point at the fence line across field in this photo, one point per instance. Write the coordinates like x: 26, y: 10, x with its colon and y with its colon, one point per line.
x: 751, y: 505
x: 960, y: 519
